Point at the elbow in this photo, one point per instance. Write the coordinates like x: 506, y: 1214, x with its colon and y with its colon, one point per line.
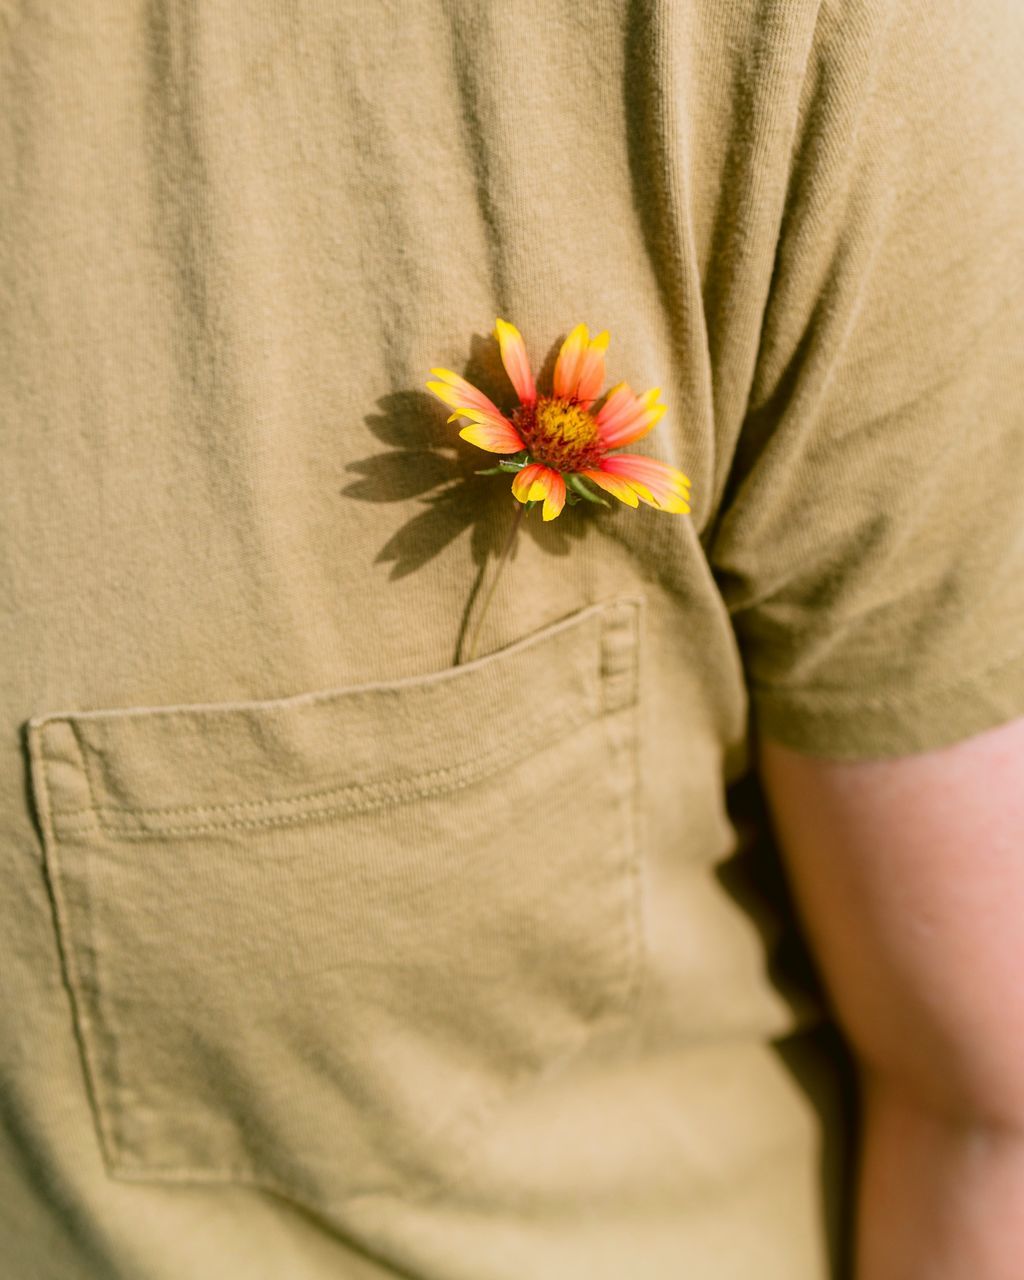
x: 975, y: 1081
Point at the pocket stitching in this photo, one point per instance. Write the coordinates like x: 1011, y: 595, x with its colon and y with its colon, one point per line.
x: 84, y: 1027
x: 598, y: 698
x: 381, y: 793
x: 617, y: 995
x: 616, y: 1000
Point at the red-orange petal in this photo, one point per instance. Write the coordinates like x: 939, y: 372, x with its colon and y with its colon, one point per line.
x: 649, y: 470
x: 630, y: 419
x: 536, y: 483
x: 657, y: 483
x: 640, y: 427
x: 590, y: 377
x: 515, y: 360
x: 481, y: 415
x: 458, y: 393
x: 494, y: 436
x: 567, y: 365
x: 614, y: 485
x: 528, y: 485
x: 555, y: 500
x: 618, y: 402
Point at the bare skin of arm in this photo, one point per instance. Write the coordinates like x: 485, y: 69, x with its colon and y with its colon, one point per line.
x: 909, y: 876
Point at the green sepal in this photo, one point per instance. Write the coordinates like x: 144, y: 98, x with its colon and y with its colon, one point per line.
x: 515, y: 463
x: 576, y: 483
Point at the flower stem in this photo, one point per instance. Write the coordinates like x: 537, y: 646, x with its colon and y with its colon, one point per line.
x: 502, y: 560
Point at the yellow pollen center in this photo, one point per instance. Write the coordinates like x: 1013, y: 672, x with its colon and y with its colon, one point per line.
x: 559, y: 433
x: 558, y: 420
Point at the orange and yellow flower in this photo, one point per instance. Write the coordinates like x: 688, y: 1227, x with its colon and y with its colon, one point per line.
x: 560, y: 440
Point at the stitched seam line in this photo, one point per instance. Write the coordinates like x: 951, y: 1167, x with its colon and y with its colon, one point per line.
x: 83, y: 1027
x: 90, y: 782
x: 613, y: 621
x: 428, y: 779
x: 432, y: 779
x: 361, y: 798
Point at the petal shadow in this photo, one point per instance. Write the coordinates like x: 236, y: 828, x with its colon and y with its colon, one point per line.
x: 424, y: 459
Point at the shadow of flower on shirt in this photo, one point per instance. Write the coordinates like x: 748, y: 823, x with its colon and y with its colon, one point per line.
x: 425, y: 460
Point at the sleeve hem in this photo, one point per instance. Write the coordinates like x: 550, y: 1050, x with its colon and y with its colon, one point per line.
x: 842, y: 724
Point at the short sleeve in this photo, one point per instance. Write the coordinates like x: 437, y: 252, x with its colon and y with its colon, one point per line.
x: 870, y: 544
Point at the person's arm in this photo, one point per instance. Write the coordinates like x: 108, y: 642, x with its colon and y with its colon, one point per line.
x: 909, y: 876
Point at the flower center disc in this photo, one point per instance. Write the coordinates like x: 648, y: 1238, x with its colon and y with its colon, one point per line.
x: 559, y: 433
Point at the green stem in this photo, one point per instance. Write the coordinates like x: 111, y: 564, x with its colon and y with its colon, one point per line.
x: 502, y: 560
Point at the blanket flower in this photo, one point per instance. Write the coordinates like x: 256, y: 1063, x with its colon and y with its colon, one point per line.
x: 558, y: 442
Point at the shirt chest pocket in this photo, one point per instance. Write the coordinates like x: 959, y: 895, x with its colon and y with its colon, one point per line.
x: 313, y: 943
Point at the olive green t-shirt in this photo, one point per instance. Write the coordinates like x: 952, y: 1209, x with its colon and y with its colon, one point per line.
x: 326, y: 956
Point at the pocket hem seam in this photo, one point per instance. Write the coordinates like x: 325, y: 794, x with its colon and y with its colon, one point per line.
x: 380, y: 794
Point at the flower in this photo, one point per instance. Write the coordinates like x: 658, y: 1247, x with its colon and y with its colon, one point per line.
x: 559, y: 440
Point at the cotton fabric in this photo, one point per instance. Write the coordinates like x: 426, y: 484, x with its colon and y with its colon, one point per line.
x: 323, y: 954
